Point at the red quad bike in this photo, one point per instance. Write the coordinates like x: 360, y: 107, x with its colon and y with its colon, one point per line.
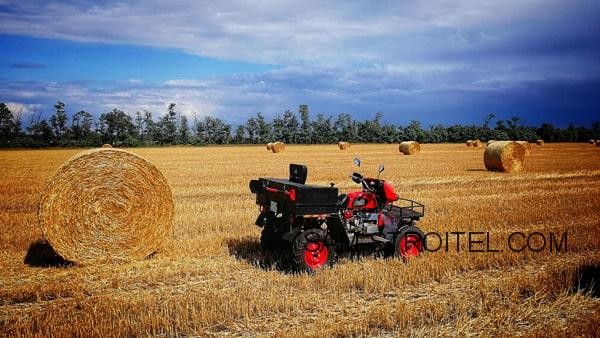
x: 314, y: 224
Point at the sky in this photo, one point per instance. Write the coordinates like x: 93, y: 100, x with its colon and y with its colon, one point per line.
x: 434, y: 61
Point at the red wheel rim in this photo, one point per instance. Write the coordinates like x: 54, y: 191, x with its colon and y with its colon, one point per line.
x: 410, y: 246
x: 315, y: 255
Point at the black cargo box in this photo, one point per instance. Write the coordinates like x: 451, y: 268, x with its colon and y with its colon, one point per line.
x: 285, y: 196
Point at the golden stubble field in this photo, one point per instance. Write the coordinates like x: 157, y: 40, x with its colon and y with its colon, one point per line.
x: 210, y: 278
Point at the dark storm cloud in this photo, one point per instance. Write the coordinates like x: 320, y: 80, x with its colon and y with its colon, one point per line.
x: 434, y: 61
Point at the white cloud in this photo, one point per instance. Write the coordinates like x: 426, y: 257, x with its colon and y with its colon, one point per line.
x: 333, y: 32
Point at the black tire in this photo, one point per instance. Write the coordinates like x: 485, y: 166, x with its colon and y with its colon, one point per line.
x: 410, y: 242
x: 270, y: 239
x: 313, y: 250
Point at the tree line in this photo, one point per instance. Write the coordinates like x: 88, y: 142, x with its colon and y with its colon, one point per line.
x: 115, y: 127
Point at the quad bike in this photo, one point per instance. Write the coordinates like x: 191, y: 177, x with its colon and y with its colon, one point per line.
x: 314, y: 224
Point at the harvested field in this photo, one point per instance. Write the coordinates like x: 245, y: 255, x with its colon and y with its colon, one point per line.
x: 211, y: 279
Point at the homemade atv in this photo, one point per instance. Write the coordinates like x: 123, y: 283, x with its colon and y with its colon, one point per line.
x: 314, y: 224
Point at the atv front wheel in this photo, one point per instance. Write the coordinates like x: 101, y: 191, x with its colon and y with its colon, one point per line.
x: 410, y: 242
x: 313, y: 249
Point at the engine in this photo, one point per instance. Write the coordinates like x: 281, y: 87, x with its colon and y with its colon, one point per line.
x: 364, y: 223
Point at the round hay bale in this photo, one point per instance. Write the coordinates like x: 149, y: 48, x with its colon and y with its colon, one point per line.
x: 476, y: 144
x: 469, y: 143
x: 505, y: 156
x: 269, y: 146
x: 490, y: 142
x: 343, y: 145
x: 107, y: 145
x: 540, y: 142
x: 409, y: 147
x: 597, y: 143
x: 278, y: 147
x: 592, y: 141
x: 527, y: 146
x: 106, y: 205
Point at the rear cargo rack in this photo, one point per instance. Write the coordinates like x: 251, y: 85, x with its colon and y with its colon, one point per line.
x: 405, y: 209
x: 285, y: 196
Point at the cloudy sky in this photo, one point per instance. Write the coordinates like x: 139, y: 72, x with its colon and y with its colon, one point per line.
x: 433, y: 61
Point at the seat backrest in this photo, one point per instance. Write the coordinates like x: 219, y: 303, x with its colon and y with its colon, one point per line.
x: 298, y: 173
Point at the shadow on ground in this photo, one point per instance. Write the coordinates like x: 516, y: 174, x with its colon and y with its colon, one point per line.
x: 41, y: 254
x: 587, y: 280
x: 248, y: 249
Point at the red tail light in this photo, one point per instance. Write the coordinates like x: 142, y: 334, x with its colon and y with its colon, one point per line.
x: 292, y: 194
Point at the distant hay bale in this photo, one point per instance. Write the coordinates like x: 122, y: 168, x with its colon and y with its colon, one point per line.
x: 505, y: 156
x: 540, y: 142
x: 278, y: 147
x: 343, y: 145
x: 107, y: 145
x: 106, y: 205
x: 469, y: 143
x: 527, y: 146
x: 598, y: 143
x: 409, y: 147
x: 476, y: 144
x: 592, y: 141
x: 269, y: 146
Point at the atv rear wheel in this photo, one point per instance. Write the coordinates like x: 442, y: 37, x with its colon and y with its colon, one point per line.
x: 410, y: 242
x: 313, y: 250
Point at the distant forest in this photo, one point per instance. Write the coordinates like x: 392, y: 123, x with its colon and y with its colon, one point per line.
x: 116, y: 127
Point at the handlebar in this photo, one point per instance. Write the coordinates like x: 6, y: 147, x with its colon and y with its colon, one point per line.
x: 359, y: 179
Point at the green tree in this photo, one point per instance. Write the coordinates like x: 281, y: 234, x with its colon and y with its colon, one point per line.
x: 305, y: 131
x: 291, y: 127
x: 413, y: 132
x: 323, y: 131
x: 239, y: 135
x: 264, y: 128
x: 59, y: 121
x: 212, y: 130
x: 41, y: 133
x: 252, y: 130
x: 150, y: 132
x: 168, y: 126
x: 344, y: 128
x: 10, y: 128
x: 81, y: 128
x: 117, y: 128
x: 184, y: 130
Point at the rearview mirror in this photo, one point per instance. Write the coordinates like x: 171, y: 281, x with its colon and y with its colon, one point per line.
x: 357, y: 161
x: 381, y: 168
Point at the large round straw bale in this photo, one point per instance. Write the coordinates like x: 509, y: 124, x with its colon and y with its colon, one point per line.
x: 490, y: 141
x: 592, y: 141
x: 409, y: 147
x: 506, y: 156
x: 278, y: 147
x: 540, y: 142
x: 106, y: 145
x: 469, y: 143
x: 343, y: 145
x: 269, y: 146
x: 527, y: 146
x: 106, y: 205
x: 476, y: 144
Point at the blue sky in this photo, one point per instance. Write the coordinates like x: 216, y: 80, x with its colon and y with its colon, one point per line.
x: 434, y: 61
